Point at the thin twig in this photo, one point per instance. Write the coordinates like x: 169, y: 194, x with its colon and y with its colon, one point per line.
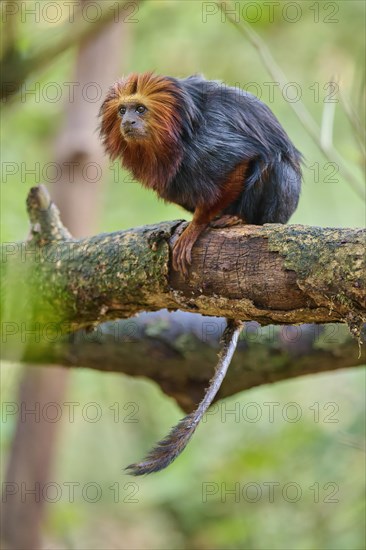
x: 327, y: 124
x: 355, y: 123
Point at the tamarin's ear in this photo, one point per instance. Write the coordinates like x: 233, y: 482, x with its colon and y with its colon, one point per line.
x: 103, y: 107
x: 104, y: 104
x: 111, y: 94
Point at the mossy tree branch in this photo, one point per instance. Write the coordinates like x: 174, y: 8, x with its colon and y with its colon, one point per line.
x: 271, y: 274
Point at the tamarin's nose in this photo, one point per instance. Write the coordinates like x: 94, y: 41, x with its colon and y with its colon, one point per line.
x: 128, y: 123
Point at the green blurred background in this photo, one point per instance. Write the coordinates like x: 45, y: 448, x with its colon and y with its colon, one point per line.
x: 320, y: 456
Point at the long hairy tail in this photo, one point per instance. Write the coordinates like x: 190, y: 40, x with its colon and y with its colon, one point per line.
x: 167, y: 450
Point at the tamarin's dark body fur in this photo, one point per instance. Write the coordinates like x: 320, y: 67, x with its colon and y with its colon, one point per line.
x: 218, y: 152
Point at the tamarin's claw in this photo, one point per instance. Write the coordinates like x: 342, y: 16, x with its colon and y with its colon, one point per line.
x: 182, y: 249
x: 182, y: 254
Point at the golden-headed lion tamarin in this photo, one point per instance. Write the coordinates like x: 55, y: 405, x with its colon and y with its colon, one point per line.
x: 218, y: 152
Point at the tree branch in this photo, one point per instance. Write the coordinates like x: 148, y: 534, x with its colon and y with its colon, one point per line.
x: 273, y: 274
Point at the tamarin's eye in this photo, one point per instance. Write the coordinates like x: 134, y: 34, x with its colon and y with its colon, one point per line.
x: 122, y: 110
x: 140, y: 109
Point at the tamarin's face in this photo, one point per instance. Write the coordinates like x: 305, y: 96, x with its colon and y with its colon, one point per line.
x: 134, y: 116
x: 140, y: 109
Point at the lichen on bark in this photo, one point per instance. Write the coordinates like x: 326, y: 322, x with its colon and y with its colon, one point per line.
x: 329, y: 265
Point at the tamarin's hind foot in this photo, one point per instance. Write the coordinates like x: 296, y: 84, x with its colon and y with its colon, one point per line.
x: 182, y: 249
x: 227, y: 220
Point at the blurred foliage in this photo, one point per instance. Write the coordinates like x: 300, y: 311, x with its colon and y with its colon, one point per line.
x: 190, y: 504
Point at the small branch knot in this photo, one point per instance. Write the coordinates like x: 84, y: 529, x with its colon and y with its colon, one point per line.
x: 38, y: 199
x: 46, y: 225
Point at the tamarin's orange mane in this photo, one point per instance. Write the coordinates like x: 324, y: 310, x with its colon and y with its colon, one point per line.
x: 155, y: 159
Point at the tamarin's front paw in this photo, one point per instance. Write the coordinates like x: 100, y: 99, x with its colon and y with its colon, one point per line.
x: 182, y: 253
x: 182, y: 249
